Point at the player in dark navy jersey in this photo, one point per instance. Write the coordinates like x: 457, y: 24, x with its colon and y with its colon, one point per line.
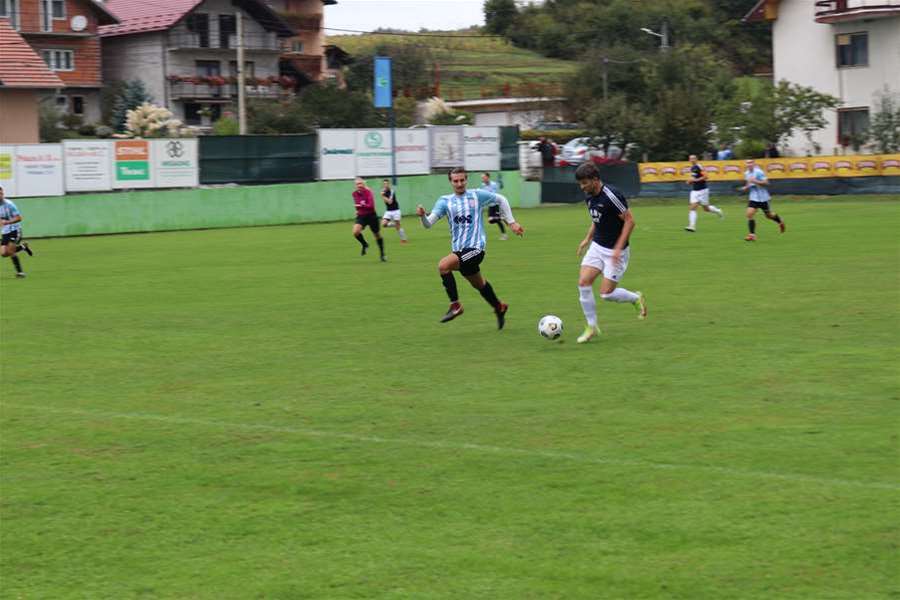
x: 392, y: 213
x: 607, y: 248
x: 699, y: 194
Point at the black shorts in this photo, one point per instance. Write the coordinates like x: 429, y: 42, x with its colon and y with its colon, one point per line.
x: 469, y: 259
x: 761, y: 205
x: 13, y: 237
x: 494, y: 213
x: 370, y: 221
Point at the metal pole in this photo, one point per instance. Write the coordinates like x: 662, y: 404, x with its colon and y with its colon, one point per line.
x: 242, y: 91
x: 392, y: 122
x: 665, y: 36
x: 605, y: 77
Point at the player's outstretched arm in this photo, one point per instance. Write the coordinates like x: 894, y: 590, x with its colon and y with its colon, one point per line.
x: 427, y: 219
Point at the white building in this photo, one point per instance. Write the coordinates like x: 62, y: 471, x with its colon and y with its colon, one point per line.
x: 847, y: 48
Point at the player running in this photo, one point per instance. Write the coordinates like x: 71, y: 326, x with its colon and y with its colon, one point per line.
x: 463, y: 209
x: 611, y: 226
x: 699, y: 194
x: 759, y: 198
x: 493, y: 209
x: 11, y: 228
x: 366, y: 217
x: 391, y: 217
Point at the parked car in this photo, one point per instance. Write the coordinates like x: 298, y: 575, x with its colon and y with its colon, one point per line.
x: 576, y: 150
x: 555, y: 126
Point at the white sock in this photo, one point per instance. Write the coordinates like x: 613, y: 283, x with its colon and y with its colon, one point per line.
x: 714, y: 209
x: 588, y: 304
x: 402, y: 233
x: 692, y: 218
x: 620, y: 295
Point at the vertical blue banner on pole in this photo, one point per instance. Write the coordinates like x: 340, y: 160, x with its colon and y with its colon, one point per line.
x: 383, y: 95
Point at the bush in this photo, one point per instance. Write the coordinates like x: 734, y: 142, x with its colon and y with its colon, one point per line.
x: 226, y: 126
x: 48, y: 124
x: 88, y: 129
x: 72, y: 122
x: 750, y: 149
x: 103, y: 131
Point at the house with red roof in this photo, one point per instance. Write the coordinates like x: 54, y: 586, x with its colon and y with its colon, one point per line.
x: 305, y: 57
x: 64, y: 34
x: 23, y: 78
x: 185, y: 52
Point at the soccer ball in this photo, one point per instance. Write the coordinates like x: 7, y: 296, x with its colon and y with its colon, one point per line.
x: 550, y: 326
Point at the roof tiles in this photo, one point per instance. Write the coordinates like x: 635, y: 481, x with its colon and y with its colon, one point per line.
x: 21, y: 66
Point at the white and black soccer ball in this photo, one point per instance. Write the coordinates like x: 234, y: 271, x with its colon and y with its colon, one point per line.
x: 550, y: 326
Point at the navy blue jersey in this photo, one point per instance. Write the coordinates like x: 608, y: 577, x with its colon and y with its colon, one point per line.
x: 392, y: 196
x: 606, y: 209
x: 697, y: 171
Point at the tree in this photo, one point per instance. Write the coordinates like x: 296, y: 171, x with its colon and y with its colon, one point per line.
x: 129, y: 96
x: 499, y: 15
x: 884, y: 127
x: 614, y: 122
x: 411, y: 67
x: 326, y: 106
x: 801, y: 108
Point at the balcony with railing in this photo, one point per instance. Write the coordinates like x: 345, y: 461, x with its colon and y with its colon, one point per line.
x: 225, y: 88
x: 832, y: 11
x: 188, y: 40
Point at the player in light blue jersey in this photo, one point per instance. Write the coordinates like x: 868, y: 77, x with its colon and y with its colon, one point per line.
x: 11, y: 227
x: 756, y: 184
x: 493, y: 209
x: 463, y: 209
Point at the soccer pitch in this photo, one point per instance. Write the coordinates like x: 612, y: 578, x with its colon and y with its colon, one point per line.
x: 263, y: 413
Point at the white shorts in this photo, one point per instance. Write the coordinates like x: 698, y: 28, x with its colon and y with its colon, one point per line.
x: 391, y: 215
x: 700, y: 197
x: 600, y: 258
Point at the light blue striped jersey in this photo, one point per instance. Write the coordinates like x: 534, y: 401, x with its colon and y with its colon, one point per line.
x: 758, y: 193
x: 465, y: 216
x: 8, y: 210
x: 490, y: 186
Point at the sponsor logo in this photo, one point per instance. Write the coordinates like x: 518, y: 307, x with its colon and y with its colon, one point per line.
x: 843, y: 164
x: 175, y: 149
x: 138, y: 150
x: 797, y: 166
x: 685, y: 170
x: 327, y: 151
x: 891, y: 163
x: 669, y: 171
x: 821, y: 165
x: 649, y: 171
x: 373, y: 139
x: 775, y: 167
x: 732, y: 169
x: 711, y: 169
x: 862, y: 165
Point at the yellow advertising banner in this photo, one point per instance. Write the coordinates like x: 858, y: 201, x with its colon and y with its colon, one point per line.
x: 778, y: 168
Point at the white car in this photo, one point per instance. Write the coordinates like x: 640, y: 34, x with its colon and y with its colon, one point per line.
x: 576, y: 150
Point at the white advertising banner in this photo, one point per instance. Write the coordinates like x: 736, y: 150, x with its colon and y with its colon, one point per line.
x: 447, y: 146
x: 337, y: 153
x: 413, y: 151
x: 373, y: 152
x: 8, y: 170
x: 88, y: 165
x: 132, y: 164
x: 175, y: 163
x: 482, y: 148
x: 39, y: 170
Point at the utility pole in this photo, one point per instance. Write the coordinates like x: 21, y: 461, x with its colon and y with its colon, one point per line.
x: 605, y: 78
x: 665, y: 36
x: 242, y: 90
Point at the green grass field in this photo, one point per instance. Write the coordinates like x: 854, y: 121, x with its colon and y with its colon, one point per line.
x: 263, y: 413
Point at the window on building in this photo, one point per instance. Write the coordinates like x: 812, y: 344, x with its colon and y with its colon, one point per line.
x: 227, y: 30
x: 852, y: 49
x: 62, y: 103
x: 50, y: 10
x: 77, y: 105
x: 198, y: 24
x: 208, y: 68
x: 249, y: 69
x: 10, y: 10
x: 853, y: 123
x: 194, y: 112
x: 297, y: 46
x: 59, y: 60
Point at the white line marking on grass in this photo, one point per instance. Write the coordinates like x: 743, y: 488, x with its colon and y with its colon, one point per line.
x: 445, y: 445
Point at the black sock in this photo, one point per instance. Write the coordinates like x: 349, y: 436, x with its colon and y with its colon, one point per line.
x: 380, y: 245
x: 16, y: 263
x: 487, y: 292
x: 752, y: 225
x: 500, y: 225
x: 775, y: 218
x: 361, y: 240
x: 20, y: 248
x: 450, y: 286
